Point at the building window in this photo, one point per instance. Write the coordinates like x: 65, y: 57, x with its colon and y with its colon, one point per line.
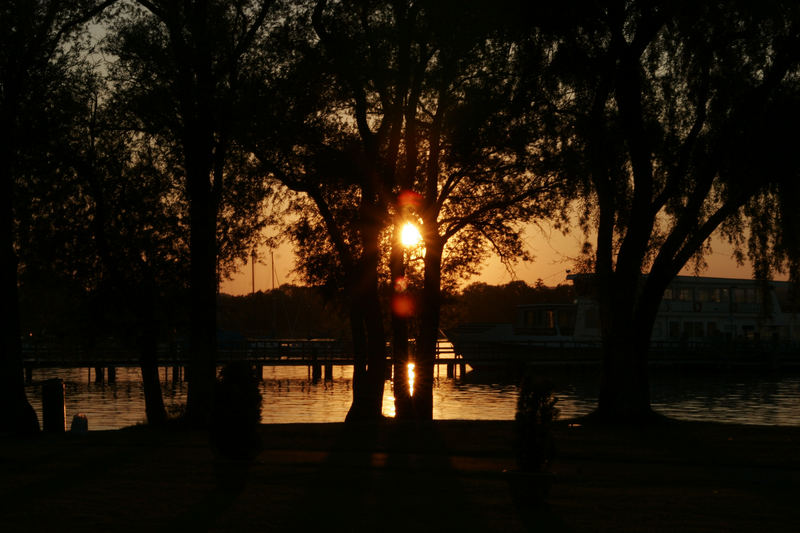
x: 719, y: 295
x: 747, y: 296
x: 698, y: 329
x: 692, y: 330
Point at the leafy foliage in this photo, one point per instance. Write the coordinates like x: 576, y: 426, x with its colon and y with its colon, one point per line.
x: 481, y: 302
x: 237, y: 413
x: 287, y: 312
x: 533, y: 421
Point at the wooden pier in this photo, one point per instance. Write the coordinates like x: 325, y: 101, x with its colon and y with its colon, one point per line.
x: 317, y: 354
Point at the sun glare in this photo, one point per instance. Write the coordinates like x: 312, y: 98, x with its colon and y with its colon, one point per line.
x: 410, y: 236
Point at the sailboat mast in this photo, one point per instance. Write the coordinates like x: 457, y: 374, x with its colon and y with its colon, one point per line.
x: 253, y: 271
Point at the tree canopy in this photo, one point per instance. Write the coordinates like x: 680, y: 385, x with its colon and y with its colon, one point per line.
x: 677, y: 117
x: 655, y: 125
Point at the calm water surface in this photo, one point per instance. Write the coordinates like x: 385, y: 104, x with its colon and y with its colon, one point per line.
x: 290, y: 396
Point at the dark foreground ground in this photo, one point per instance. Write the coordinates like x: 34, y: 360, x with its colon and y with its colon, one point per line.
x: 448, y: 476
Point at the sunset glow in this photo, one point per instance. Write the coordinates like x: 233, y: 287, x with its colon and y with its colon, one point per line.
x: 410, y: 235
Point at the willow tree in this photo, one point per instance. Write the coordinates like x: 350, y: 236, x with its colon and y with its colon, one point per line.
x: 180, y: 65
x: 680, y: 118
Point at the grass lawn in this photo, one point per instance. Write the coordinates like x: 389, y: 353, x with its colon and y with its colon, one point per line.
x: 444, y: 476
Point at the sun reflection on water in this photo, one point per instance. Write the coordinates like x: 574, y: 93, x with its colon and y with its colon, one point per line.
x: 290, y: 396
x: 411, y: 379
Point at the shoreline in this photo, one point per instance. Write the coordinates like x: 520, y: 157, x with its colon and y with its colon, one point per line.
x: 444, y: 475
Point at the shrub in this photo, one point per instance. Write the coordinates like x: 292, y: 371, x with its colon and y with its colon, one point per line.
x: 536, y: 412
x: 237, y: 413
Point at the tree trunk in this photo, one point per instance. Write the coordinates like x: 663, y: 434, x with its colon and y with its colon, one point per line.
x: 428, y: 330
x: 203, y: 285
x: 368, y: 379
x: 624, y: 390
x: 148, y: 355
x: 13, y: 400
x: 627, y: 326
x: 148, y: 362
x: 376, y: 354
x: 368, y: 403
x: 12, y: 382
x: 400, y: 355
x: 359, y: 336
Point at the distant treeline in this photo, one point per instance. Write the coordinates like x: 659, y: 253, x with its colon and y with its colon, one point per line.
x: 287, y: 312
x: 480, y: 302
x: 303, y: 312
x: 65, y: 315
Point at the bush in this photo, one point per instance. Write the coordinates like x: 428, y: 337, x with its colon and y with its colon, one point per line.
x: 536, y: 412
x: 237, y: 413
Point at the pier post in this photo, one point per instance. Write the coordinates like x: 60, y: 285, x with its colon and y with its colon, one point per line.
x: 176, y: 374
x: 112, y: 374
x: 316, y: 367
x: 28, y: 374
x: 99, y: 373
x: 54, y: 412
x: 260, y: 372
x: 462, y: 369
x: 328, y: 371
x: 450, y: 370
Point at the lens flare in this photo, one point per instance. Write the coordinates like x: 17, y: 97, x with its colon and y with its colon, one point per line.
x: 409, y: 199
x: 403, y: 305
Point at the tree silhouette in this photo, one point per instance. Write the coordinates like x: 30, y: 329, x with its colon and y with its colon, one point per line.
x: 183, y: 64
x: 679, y: 117
x: 307, y: 138
x: 470, y: 155
x: 134, y: 223
x: 399, y: 117
x: 34, y: 62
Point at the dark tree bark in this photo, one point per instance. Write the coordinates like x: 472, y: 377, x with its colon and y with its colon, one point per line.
x: 12, y: 382
x: 368, y: 402
x: 148, y: 363
x: 428, y: 328
x: 400, y: 355
x: 202, y: 280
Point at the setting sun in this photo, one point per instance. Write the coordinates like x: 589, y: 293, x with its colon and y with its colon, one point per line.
x: 410, y: 235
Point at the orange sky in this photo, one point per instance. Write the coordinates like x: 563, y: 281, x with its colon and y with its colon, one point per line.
x: 553, y: 253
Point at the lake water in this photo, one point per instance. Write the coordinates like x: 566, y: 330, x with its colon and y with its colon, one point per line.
x: 291, y: 396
